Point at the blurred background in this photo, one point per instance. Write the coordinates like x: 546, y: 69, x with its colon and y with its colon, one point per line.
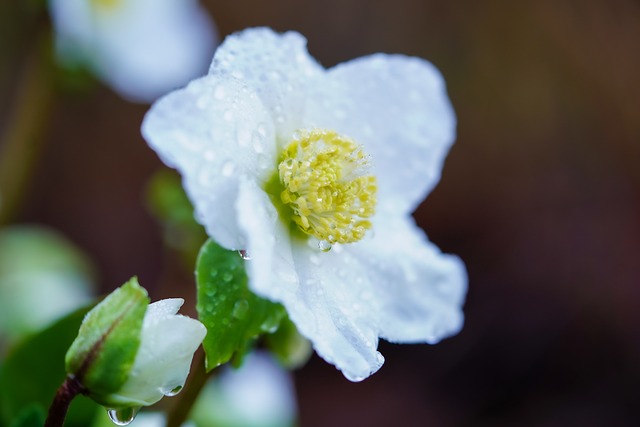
x: 540, y: 196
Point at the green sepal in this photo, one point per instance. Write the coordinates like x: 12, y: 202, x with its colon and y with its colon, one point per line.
x: 103, y: 353
x: 233, y: 315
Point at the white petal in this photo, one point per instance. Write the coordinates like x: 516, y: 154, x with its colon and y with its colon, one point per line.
x: 163, y: 308
x: 397, y: 107
x: 415, y: 292
x: 213, y: 132
x: 259, y: 394
x: 271, y: 268
x: 141, y: 48
x: 163, y: 359
x: 276, y: 66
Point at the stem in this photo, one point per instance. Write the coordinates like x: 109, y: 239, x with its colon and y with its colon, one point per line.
x: 21, y: 140
x: 60, y: 405
x: 187, y: 398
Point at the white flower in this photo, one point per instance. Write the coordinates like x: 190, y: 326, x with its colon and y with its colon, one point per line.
x: 43, y: 276
x: 286, y: 160
x: 167, y: 343
x: 141, y: 48
x: 259, y: 394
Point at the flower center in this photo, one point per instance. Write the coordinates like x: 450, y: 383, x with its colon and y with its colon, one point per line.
x: 326, y: 186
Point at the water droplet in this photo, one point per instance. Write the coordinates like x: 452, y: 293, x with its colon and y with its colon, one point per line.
x: 123, y: 416
x: 174, y: 391
x: 227, y: 277
x: 315, y: 259
x: 324, y: 246
x: 228, y: 115
x: 209, y: 155
x: 244, y: 254
x: 228, y: 168
x: 213, y: 272
x: 243, y: 137
x: 262, y: 130
x: 240, y: 309
x: 270, y: 325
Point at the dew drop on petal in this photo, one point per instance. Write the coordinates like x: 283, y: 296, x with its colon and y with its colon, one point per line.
x: 228, y: 168
x: 324, y: 246
x: 240, y: 309
x: 123, y: 416
x: 244, y: 254
x: 174, y: 391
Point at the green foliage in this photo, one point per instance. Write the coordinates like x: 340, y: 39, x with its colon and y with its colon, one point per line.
x: 104, y: 351
x: 170, y: 205
x: 32, y: 373
x: 234, y: 316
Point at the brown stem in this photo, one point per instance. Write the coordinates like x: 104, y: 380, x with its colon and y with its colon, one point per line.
x: 21, y: 140
x: 60, y: 405
x: 187, y: 398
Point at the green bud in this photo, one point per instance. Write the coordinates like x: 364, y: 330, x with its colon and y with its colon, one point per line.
x: 130, y: 353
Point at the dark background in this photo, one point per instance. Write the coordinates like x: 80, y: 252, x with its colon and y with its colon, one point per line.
x: 539, y: 196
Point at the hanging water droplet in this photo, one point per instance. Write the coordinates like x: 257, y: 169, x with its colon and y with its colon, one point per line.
x: 174, y: 391
x: 240, y: 309
x: 123, y: 416
x: 324, y: 246
x: 244, y: 254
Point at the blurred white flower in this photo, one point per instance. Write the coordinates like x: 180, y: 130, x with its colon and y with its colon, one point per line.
x: 315, y: 174
x: 141, y: 48
x: 258, y: 394
x: 43, y: 276
x: 168, y: 341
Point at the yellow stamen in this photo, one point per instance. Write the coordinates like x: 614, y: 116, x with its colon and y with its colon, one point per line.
x: 326, y: 186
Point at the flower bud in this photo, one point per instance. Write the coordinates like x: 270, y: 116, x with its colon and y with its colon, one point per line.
x: 130, y: 353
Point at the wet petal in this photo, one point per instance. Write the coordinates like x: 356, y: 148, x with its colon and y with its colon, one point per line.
x: 271, y: 268
x: 397, y: 107
x: 415, y: 292
x: 276, y: 66
x: 213, y: 132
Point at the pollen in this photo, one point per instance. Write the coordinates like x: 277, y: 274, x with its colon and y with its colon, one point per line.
x: 327, y: 187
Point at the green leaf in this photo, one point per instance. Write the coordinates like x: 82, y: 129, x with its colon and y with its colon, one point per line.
x: 103, y: 353
x: 34, y: 370
x: 234, y: 316
x: 30, y: 416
